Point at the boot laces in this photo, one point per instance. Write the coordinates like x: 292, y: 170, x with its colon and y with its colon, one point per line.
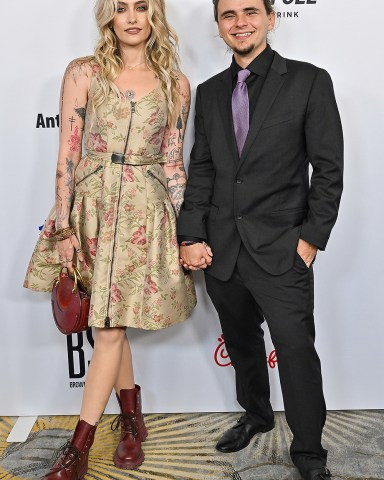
x: 70, y: 455
x: 127, y: 422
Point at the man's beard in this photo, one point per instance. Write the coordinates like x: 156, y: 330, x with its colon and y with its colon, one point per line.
x: 244, y: 51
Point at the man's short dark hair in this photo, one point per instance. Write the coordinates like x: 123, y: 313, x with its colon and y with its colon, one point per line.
x: 267, y: 5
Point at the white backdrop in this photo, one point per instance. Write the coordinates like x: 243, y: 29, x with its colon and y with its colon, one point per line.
x: 177, y: 367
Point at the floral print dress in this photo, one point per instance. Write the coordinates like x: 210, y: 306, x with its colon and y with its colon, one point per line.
x: 124, y: 220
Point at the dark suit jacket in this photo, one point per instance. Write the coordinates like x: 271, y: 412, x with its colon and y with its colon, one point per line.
x: 265, y: 198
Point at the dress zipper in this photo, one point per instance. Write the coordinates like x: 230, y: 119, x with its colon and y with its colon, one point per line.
x: 107, y: 321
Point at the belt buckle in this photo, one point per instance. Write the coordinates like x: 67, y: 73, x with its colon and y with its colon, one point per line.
x: 118, y: 158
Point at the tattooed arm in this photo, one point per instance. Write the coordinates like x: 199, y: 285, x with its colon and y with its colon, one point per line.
x: 74, y: 95
x: 172, y: 147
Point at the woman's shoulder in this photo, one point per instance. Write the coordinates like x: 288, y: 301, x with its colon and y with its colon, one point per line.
x: 83, y: 67
x: 183, y: 81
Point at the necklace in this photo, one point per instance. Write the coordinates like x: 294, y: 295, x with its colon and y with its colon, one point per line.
x: 130, y: 94
x: 131, y: 67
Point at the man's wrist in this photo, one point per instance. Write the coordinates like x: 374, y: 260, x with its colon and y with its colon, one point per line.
x: 187, y: 243
x: 181, y: 239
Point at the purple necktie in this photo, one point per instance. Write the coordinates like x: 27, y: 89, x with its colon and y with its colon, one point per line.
x: 240, y: 109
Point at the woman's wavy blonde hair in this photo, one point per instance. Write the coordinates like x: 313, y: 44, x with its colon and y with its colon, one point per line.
x: 161, y: 53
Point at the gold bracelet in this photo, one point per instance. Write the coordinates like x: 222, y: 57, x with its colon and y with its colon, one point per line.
x: 61, y: 230
x: 60, y: 238
x: 64, y: 233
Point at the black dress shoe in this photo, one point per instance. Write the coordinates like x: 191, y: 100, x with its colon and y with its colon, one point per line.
x: 239, y: 436
x: 318, y: 474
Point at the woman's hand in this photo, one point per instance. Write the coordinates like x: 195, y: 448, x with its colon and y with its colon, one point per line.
x: 67, y: 249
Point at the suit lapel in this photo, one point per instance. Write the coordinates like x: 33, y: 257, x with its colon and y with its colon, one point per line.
x: 268, y: 94
x: 224, y: 99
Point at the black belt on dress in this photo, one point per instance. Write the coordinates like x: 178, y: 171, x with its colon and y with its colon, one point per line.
x: 121, y: 159
x: 128, y: 158
x: 118, y: 158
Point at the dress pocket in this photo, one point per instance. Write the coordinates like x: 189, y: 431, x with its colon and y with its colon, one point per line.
x: 89, y: 180
x: 157, y: 183
x: 156, y: 178
x: 95, y: 172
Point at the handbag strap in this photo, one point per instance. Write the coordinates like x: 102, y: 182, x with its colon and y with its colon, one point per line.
x: 77, y: 277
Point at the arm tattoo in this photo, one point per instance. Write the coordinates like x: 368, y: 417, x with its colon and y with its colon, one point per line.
x: 173, y: 151
x: 77, y: 68
x: 59, y: 175
x: 176, y: 181
x: 66, y: 168
x: 64, y: 193
x: 81, y: 111
x: 70, y: 168
x: 181, y: 123
x: 75, y: 141
x: 72, y: 121
x: 179, y: 126
x: 175, y: 155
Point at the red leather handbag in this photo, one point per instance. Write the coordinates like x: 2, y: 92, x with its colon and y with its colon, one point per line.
x: 70, y: 302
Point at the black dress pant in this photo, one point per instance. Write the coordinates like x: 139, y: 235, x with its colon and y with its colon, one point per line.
x: 286, y: 303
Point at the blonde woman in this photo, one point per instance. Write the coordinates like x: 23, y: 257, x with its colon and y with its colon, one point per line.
x: 116, y: 208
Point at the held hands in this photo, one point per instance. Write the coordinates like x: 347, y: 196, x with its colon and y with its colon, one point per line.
x: 199, y: 255
x: 67, y: 249
x: 307, y: 251
x: 195, y: 257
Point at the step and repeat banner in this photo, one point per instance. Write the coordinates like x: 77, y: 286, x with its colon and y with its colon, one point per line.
x: 186, y: 368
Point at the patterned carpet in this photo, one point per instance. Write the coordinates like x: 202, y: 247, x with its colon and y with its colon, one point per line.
x: 181, y: 447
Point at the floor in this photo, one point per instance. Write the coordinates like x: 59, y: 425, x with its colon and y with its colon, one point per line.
x: 181, y: 447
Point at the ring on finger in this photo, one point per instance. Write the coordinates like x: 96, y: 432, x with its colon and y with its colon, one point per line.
x: 78, y: 250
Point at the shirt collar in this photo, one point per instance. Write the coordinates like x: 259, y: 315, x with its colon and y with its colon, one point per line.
x: 259, y: 66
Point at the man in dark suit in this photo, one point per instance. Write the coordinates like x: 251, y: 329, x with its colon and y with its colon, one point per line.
x: 258, y: 127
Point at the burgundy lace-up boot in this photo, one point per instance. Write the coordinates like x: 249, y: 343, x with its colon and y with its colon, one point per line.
x: 129, y: 454
x: 71, y: 462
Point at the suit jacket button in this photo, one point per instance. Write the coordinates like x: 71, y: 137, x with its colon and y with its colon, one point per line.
x: 239, y: 180
x: 239, y: 217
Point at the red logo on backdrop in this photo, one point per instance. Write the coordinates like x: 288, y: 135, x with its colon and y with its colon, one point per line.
x: 221, y: 355
x: 272, y: 359
x: 222, y: 358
